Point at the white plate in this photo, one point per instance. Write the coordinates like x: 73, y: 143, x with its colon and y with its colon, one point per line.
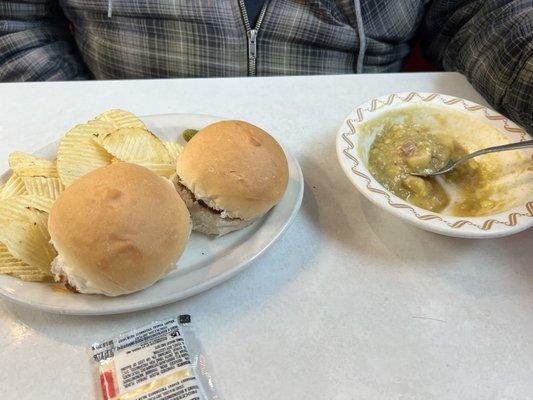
x: 206, y: 262
x: 489, y: 226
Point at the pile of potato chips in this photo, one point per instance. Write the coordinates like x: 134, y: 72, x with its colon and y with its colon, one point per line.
x: 28, y: 195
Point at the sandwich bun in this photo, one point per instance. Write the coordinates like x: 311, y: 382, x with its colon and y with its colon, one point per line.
x: 235, y: 169
x: 117, y: 230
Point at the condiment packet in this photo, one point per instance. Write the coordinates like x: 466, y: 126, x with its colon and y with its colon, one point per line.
x: 160, y: 361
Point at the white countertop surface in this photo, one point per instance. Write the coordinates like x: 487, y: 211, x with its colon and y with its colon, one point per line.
x: 350, y: 304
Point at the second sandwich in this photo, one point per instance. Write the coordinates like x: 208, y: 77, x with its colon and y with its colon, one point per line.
x: 230, y: 174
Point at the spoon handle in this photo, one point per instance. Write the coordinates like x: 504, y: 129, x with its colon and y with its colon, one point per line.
x: 503, y: 147
x: 452, y: 164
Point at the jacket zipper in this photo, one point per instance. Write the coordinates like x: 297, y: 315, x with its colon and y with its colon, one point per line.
x: 252, y: 36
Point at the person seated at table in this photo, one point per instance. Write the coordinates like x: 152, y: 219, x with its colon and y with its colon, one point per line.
x: 489, y: 41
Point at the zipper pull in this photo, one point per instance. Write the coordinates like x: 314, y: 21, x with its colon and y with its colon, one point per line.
x: 252, y: 43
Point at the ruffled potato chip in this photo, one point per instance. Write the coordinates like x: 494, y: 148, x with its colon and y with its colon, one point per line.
x: 17, y: 207
x: 121, y: 119
x: 174, y: 150
x: 33, y: 276
x: 78, y: 154
x: 25, y: 232
x: 13, y: 187
x: 134, y: 144
x: 10, y: 265
x: 24, y: 164
x: 43, y: 187
x: 138, y: 146
x: 28, y: 245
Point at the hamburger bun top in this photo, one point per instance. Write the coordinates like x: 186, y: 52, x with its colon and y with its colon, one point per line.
x: 234, y: 167
x: 119, y: 228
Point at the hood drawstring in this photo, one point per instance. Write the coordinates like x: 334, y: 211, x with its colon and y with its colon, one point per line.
x: 362, y: 38
x: 109, y: 8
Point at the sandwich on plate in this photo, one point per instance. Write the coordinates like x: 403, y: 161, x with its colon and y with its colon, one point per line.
x: 117, y: 230
x: 230, y: 174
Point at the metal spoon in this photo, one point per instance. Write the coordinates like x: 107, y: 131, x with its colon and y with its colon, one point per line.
x: 453, y: 163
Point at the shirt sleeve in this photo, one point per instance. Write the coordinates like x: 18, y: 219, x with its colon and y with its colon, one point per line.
x: 35, y: 43
x: 491, y: 43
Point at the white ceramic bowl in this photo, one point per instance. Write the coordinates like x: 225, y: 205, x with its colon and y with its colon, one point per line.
x: 506, y: 223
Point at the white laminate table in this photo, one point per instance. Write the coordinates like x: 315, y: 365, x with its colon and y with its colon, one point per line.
x: 350, y: 304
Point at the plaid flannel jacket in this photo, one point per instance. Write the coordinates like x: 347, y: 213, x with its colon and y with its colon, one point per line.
x: 489, y: 41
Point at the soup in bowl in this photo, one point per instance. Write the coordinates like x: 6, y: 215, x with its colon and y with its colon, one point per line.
x: 384, y: 141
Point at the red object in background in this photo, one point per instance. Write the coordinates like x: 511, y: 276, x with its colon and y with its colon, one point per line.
x: 416, y: 62
x: 108, y: 385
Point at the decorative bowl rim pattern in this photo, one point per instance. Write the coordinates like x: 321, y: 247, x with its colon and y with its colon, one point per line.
x: 510, y: 221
